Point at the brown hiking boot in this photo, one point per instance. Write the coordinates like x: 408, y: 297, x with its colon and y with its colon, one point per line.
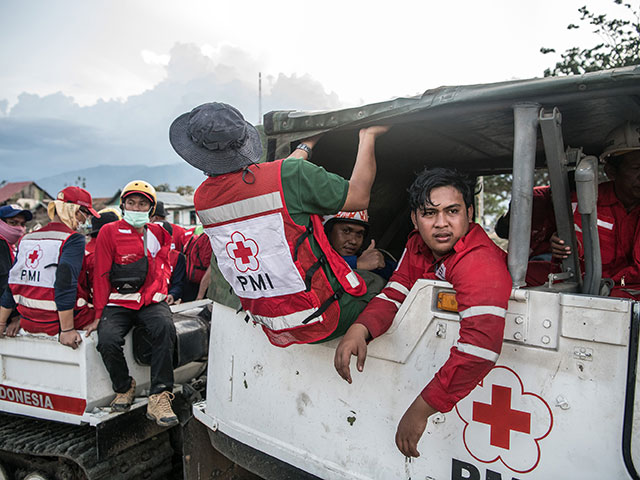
x: 159, y: 409
x: 123, y: 401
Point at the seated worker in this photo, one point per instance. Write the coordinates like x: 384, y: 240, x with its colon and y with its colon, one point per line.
x: 44, y: 279
x: 445, y: 245
x: 618, y: 211
x: 130, y: 288
x: 177, y: 271
x: 85, y: 280
x: 265, y: 227
x: 346, y: 232
x: 13, y: 221
x: 179, y: 235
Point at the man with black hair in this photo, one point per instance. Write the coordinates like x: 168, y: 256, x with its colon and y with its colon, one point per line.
x: 445, y: 245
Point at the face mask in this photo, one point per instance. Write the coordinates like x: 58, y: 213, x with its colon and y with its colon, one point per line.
x: 11, y: 233
x: 136, y: 219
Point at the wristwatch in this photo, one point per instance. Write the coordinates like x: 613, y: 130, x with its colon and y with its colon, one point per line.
x: 305, y: 148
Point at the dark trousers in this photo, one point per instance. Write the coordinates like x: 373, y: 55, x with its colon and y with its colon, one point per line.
x: 116, y: 323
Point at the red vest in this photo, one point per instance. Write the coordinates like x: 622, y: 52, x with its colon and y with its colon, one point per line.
x: 267, y: 258
x: 33, y: 276
x: 127, y: 247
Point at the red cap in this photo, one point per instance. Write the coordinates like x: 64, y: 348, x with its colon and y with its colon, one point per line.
x: 79, y: 196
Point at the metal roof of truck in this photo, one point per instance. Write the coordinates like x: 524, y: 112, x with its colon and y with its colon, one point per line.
x: 468, y: 127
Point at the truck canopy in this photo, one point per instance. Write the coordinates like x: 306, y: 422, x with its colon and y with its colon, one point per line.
x: 469, y: 127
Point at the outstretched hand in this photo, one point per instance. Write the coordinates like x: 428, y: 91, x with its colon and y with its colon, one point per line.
x: 412, y: 426
x: 354, y: 342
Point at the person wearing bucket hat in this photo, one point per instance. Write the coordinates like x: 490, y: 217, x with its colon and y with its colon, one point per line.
x: 13, y: 220
x: 618, y: 208
x: 130, y: 288
x: 265, y: 226
x: 43, y: 282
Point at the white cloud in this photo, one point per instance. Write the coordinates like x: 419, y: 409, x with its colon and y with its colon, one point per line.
x: 153, y: 58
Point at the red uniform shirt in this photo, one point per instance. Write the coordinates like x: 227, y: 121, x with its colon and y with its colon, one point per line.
x: 619, y: 234
x: 478, y: 272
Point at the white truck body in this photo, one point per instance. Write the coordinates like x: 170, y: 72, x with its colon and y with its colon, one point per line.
x: 552, y: 407
x: 42, y: 378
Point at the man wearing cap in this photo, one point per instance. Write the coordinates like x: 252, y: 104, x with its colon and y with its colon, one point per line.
x: 13, y: 220
x: 618, y: 211
x: 265, y: 227
x: 44, y: 279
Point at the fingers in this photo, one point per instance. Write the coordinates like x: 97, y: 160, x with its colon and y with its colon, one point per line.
x: 341, y: 362
x: 408, y: 446
x: 362, y: 356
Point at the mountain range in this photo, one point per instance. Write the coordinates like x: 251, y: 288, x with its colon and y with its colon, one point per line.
x: 106, y: 180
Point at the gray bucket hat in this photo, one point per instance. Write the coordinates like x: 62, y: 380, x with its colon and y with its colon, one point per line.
x: 215, y: 138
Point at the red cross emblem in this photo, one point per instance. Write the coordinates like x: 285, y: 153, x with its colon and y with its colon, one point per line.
x: 501, y: 417
x: 243, y: 251
x: 34, y: 256
x: 504, y: 422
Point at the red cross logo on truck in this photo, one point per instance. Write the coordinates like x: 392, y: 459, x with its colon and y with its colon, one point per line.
x: 501, y: 417
x: 243, y: 251
x: 34, y: 256
x: 504, y: 422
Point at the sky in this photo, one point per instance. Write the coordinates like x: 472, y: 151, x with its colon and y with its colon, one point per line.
x: 91, y: 82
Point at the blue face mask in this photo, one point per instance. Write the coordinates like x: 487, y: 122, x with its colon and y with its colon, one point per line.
x: 136, y: 219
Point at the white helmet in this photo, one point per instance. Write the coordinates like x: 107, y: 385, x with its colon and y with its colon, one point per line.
x: 622, y: 139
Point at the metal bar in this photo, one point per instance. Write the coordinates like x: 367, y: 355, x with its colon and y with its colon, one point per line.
x: 587, y: 192
x: 550, y: 126
x: 525, y: 118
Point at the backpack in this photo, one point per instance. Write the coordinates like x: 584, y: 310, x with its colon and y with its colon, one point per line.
x: 198, y: 252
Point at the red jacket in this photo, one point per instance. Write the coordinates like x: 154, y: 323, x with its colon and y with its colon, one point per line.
x: 118, y: 242
x: 619, y: 234
x: 478, y: 272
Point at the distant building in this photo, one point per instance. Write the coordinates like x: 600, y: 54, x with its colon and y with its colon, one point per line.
x: 30, y: 196
x: 26, y: 194
x: 180, y: 208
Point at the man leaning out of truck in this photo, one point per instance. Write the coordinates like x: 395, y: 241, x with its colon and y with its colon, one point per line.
x: 618, y: 213
x: 445, y: 245
x: 43, y: 282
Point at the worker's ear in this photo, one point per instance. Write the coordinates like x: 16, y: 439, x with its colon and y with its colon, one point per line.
x: 413, y: 219
x: 470, y: 213
x: 611, y: 171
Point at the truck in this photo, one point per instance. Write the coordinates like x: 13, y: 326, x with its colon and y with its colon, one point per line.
x: 55, y: 419
x: 561, y: 400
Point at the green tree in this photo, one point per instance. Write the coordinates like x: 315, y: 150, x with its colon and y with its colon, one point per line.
x: 619, y: 44
x: 185, y: 189
x: 163, y: 187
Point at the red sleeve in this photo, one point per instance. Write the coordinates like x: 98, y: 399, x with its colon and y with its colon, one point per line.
x: 483, y: 287
x: 631, y: 273
x: 103, y: 258
x: 381, y: 310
